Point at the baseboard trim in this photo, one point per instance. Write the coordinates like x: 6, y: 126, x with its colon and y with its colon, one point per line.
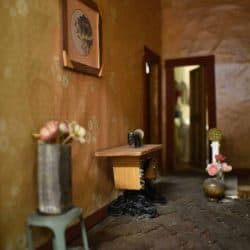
x: 73, y: 232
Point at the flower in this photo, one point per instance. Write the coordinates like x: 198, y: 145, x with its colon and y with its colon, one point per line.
x: 225, y: 167
x: 48, y: 132
x: 64, y: 128
x: 61, y: 132
x: 220, y: 158
x: 212, y: 169
x: 219, y: 167
x: 76, y: 132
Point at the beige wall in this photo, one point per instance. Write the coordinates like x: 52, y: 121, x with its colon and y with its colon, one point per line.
x: 219, y: 27
x: 34, y: 87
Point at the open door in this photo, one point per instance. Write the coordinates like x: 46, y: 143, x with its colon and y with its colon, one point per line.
x: 198, y: 107
x: 208, y: 76
x: 154, y: 135
x: 152, y: 100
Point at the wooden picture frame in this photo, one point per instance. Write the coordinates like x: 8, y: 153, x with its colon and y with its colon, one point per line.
x: 82, y: 37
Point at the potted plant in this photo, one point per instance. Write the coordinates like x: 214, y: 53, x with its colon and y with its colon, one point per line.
x: 214, y: 188
x: 54, y: 165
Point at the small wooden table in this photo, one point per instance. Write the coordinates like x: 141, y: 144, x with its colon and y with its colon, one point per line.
x: 132, y: 165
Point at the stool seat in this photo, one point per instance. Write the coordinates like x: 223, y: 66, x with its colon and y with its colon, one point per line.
x: 58, y: 224
x: 42, y: 220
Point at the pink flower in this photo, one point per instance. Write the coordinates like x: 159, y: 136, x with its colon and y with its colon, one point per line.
x: 225, y: 167
x: 220, y: 157
x: 49, y: 131
x: 212, y: 169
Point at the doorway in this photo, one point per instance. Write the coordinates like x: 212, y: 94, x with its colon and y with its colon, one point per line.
x: 152, y: 97
x: 190, y: 111
x: 152, y: 101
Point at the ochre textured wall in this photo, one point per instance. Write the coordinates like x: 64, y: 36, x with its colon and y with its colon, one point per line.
x: 34, y: 87
x: 219, y: 27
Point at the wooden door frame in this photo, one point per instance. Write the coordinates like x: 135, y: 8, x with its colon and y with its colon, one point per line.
x: 209, y: 75
x: 152, y: 58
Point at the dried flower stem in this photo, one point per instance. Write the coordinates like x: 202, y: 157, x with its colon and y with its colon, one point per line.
x: 36, y: 135
x: 67, y: 139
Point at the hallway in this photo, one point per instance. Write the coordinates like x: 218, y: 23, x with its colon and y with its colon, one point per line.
x: 187, y: 221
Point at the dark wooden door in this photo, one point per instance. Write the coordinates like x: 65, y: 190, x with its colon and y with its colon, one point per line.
x: 152, y: 100
x: 198, y: 109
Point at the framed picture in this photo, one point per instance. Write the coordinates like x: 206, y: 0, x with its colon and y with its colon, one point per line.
x: 82, y: 37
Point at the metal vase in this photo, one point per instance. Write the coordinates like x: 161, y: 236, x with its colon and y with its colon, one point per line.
x: 54, y: 178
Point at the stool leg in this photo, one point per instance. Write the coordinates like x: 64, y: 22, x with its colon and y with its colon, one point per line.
x: 59, y: 242
x: 84, y: 234
x: 54, y: 241
x: 29, y: 237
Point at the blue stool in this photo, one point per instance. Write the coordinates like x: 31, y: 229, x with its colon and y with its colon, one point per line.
x: 58, y: 224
